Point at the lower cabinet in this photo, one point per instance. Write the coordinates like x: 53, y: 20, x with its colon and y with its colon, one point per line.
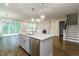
x: 24, y: 42
x: 27, y: 44
x: 30, y: 45
x: 36, y: 47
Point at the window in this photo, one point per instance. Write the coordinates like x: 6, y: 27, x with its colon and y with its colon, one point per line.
x: 31, y: 28
x: 17, y: 27
x: 10, y: 27
x: 5, y: 28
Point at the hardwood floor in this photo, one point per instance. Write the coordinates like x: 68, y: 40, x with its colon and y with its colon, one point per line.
x: 65, y: 48
x: 9, y: 47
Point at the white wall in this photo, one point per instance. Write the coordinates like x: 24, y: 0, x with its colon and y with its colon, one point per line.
x: 43, y: 25
x: 55, y: 28
x: 55, y: 25
x: 52, y: 26
x: 23, y: 27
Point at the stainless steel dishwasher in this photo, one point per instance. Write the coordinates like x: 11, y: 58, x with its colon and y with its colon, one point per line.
x: 34, y: 47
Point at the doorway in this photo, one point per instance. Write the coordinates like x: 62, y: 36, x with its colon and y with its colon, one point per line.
x: 61, y: 27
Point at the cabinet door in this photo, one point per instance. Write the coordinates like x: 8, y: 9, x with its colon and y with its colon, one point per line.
x: 22, y: 41
x: 26, y: 44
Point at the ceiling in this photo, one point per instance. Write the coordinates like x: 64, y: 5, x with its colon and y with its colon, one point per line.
x: 34, y: 10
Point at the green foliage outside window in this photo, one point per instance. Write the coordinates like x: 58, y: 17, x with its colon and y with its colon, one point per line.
x: 12, y: 27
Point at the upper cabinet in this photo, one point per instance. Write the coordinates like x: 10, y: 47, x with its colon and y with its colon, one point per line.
x: 72, y: 19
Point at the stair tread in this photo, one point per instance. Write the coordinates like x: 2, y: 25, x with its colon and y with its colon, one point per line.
x: 71, y: 38
x: 72, y: 35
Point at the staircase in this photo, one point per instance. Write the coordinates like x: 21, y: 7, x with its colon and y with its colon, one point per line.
x: 71, y: 33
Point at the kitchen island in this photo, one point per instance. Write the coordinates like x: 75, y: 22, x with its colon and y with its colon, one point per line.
x: 38, y: 44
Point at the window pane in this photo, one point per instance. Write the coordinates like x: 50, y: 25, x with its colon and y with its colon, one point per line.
x: 12, y: 27
x: 31, y: 28
x: 17, y: 27
x: 5, y: 28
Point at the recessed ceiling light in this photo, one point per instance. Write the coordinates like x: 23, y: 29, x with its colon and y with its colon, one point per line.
x: 42, y: 16
x: 7, y: 4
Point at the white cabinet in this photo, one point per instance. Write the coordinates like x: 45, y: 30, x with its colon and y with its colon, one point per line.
x: 35, y: 45
x: 24, y: 42
x: 27, y: 44
x: 21, y: 41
